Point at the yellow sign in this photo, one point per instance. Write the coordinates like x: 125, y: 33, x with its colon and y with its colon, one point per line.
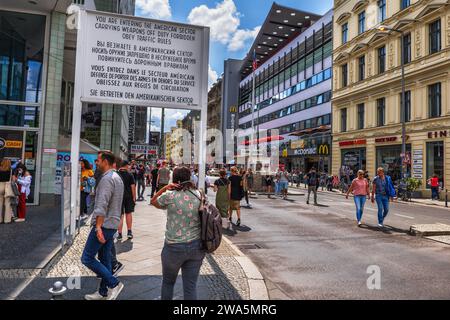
x: 233, y: 109
x: 324, y: 149
x: 13, y: 144
x: 285, y: 153
x: 299, y: 144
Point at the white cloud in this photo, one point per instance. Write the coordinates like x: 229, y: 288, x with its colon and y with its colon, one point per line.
x: 159, y: 9
x: 212, y: 77
x: 223, y: 20
x: 241, y: 38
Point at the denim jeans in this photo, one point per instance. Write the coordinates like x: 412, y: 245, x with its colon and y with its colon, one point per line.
x: 312, y: 189
x: 360, y: 201
x: 141, y: 188
x: 102, y: 268
x: 277, y: 188
x: 383, y: 207
x: 185, y: 256
x: 434, y: 193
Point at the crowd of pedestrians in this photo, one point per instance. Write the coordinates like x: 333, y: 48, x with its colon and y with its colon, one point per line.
x: 15, y: 187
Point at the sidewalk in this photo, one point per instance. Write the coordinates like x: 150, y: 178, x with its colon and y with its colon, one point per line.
x: 225, y: 275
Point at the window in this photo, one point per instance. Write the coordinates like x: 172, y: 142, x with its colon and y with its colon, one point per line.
x: 21, y: 56
x: 344, y: 33
x: 434, y: 100
x: 406, y: 50
x: 435, y: 36
x: 381, y: 112
x: 381, y: 10
x: 344, y: 120
x: 361, y: 68
x: 404, y: 4
x: 381, y: 59
x: 344, y: 75
x: 361, y: 22
x: 407, y: 106
x: 361, y: 116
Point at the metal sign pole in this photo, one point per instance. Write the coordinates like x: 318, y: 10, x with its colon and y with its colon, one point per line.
x: 76, y: 124
x: 204, y: 111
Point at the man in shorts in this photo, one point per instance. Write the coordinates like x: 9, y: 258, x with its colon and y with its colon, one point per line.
x: 129, y: 199
x: 236, y: 194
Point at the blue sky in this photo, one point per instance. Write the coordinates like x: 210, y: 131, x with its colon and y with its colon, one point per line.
x: 233, y: 23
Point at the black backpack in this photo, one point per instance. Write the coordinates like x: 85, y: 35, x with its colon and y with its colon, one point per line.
x: 211, y: 224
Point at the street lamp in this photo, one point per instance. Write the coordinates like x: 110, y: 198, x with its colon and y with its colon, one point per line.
x: 384, y: 28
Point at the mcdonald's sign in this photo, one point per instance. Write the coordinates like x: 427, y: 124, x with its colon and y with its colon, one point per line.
x: 233, y: 109
x: 323, y: 149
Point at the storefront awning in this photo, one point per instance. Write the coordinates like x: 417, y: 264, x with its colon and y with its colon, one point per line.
x: 321, y: 129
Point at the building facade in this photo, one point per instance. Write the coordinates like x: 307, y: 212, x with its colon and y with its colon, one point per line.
x: 367, y: 113
x: 293, y: 86
x: 37, y: 67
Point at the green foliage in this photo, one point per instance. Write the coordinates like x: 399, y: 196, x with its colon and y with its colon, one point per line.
x: 413, y: 184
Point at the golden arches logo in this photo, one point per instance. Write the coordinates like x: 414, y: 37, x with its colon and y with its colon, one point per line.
x: 233, y: 109
x: 324, y: 149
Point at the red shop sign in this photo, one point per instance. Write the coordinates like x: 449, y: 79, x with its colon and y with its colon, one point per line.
x: 352, y: 143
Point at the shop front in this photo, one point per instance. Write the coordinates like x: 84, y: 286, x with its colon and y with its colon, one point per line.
x: 22, y: 70
x: 389, y: 158
x: 353, y: 157
x: 309, y: 153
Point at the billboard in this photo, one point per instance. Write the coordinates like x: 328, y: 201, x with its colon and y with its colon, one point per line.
x: 135, y: 61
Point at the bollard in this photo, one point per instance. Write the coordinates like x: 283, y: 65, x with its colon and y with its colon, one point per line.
x: 57, y: 291
x: 446, y: 198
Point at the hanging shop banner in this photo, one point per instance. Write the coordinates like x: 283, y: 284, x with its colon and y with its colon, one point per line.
x: 143, y: 62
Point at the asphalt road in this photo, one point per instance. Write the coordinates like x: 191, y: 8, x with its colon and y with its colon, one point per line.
x: 318, y: 252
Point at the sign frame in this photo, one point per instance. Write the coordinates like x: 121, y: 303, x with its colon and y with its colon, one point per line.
x: 204, y: 62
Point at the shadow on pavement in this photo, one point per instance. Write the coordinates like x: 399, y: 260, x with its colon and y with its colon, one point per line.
x: 387, y: 229
x: 125, y: 246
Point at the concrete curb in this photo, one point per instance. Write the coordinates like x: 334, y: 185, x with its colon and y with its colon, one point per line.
x: 256, y: 283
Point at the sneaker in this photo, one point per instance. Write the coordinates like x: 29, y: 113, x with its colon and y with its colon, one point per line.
x: 238, y: 222
x: 114, y: 292
x: 307, y: 202
x: 130, y: 235
x: 19, y: 220
x: 95, y: 296
x: 119, y: 237
x: 380, y: 225
x: 359, y: 223
x: 117, y: 268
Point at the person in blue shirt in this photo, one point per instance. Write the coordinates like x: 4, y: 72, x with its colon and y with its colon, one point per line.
x: 382, y: 192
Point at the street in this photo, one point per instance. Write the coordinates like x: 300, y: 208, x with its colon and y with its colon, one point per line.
x: 318, y: 252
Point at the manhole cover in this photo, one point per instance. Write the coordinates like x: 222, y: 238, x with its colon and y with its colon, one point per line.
x: 251, y: 246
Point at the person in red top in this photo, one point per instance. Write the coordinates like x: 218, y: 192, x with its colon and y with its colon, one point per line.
x: 361, y: 192
x: 433, y: 182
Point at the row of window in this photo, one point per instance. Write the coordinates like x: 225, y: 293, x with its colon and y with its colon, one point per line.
x: 314, y: 49
x: 296, y: 107
x: 434, y: 108
x: 362, y: 18
x: 434, y: 46
x: 301, y: 125
x: 301, y: 86
x: 294, y: 70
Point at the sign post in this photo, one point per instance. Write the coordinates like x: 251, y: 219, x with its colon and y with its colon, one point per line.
x: 127, y: 60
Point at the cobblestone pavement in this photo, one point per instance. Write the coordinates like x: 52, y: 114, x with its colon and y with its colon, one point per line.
x: 221, y: 276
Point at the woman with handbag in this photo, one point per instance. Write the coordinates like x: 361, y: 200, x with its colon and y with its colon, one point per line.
x: 85, y: 185
x: 23, y: 177
x: 183, y: 247
x: 6, y: 212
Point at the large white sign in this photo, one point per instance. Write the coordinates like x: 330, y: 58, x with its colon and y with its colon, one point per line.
x: 134, y: 61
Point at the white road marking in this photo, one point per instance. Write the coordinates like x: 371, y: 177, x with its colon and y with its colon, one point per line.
x: 407, y: 217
